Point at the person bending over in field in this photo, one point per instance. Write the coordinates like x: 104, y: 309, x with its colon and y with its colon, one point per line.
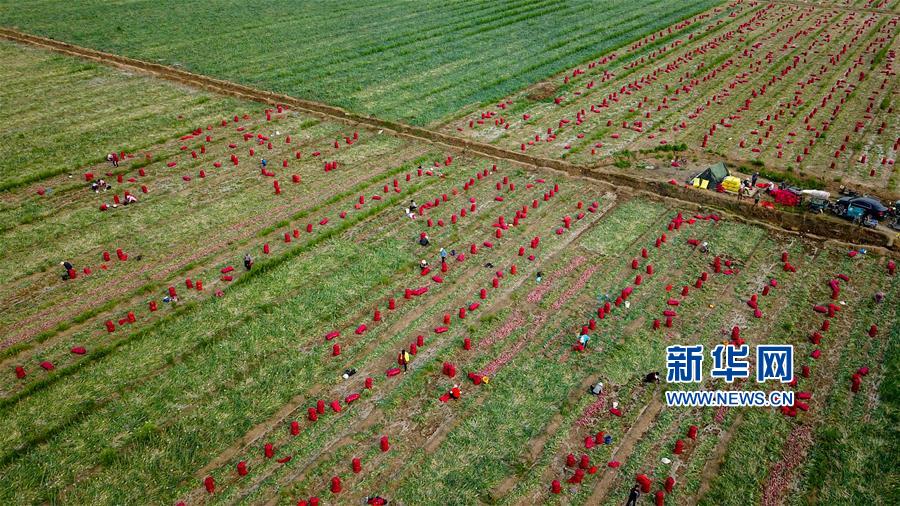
x: 248, y: 261
x: 423, y: 239
x: 423, y: 265
x: 597, y: 388
x: 67, y: 266
x: 412, y: 206
x: 652, y: 377
x: 129, y: 199
x: 583, y: 340
x: 113, y: 158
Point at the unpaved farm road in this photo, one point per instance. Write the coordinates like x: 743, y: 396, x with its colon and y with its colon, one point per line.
x: 602, y: 171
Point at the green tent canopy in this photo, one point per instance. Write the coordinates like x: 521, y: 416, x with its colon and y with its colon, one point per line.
x: 711, y: 177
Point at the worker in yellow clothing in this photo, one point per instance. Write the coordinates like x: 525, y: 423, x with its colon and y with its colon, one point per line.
x: 403, y: 359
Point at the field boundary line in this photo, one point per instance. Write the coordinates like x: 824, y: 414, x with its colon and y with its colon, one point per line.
x: 816, y: 225
x: 844, y: 8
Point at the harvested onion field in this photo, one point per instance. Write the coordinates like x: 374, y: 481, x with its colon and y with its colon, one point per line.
x: 788, y: 86
x: 165, y: 372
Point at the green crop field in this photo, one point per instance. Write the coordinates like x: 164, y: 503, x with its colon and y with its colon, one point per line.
x: 410, y: 61
x: 47, y: 133
x: 162, y: 370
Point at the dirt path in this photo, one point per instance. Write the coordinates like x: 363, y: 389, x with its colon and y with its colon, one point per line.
x: 603, y: 171
x: 641, y: 425
x: 715, y: 461
x: 260, y: 430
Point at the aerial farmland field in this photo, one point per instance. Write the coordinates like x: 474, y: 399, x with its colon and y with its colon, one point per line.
x: 164, y: 368
x: 788, y: 86
x: 383, y: 58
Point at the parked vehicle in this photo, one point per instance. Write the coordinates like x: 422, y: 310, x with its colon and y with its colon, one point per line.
x: 894, y: 209
x: 869, y: 206
x: 818, y: 206
x: 869, y: 222
x: 895, y: 223
x: 818, y: 201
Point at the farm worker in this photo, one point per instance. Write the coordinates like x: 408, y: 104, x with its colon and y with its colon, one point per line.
x: 409, y: 214
x: 263, y: 163
x: 113, y: 158
x: 248, y: 261
x: 423, y: 265
x: 756, y: 198
x: 597, y: 389
x: 879, y: 297
x: 423, y: 239
x: 412, y: 206
x: 583, y: 340
x: 68, y: 268
x: 753, y: 178
x: 652, y: 377
x: 634, y: 495
x: 100, y: 185
x: 538, y: 276
x: 349, y: 372
x: 403, y: 359
x: 443, y: 256
x: 455, y: 392
x: 130, y: 199
x: 704, y: 247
